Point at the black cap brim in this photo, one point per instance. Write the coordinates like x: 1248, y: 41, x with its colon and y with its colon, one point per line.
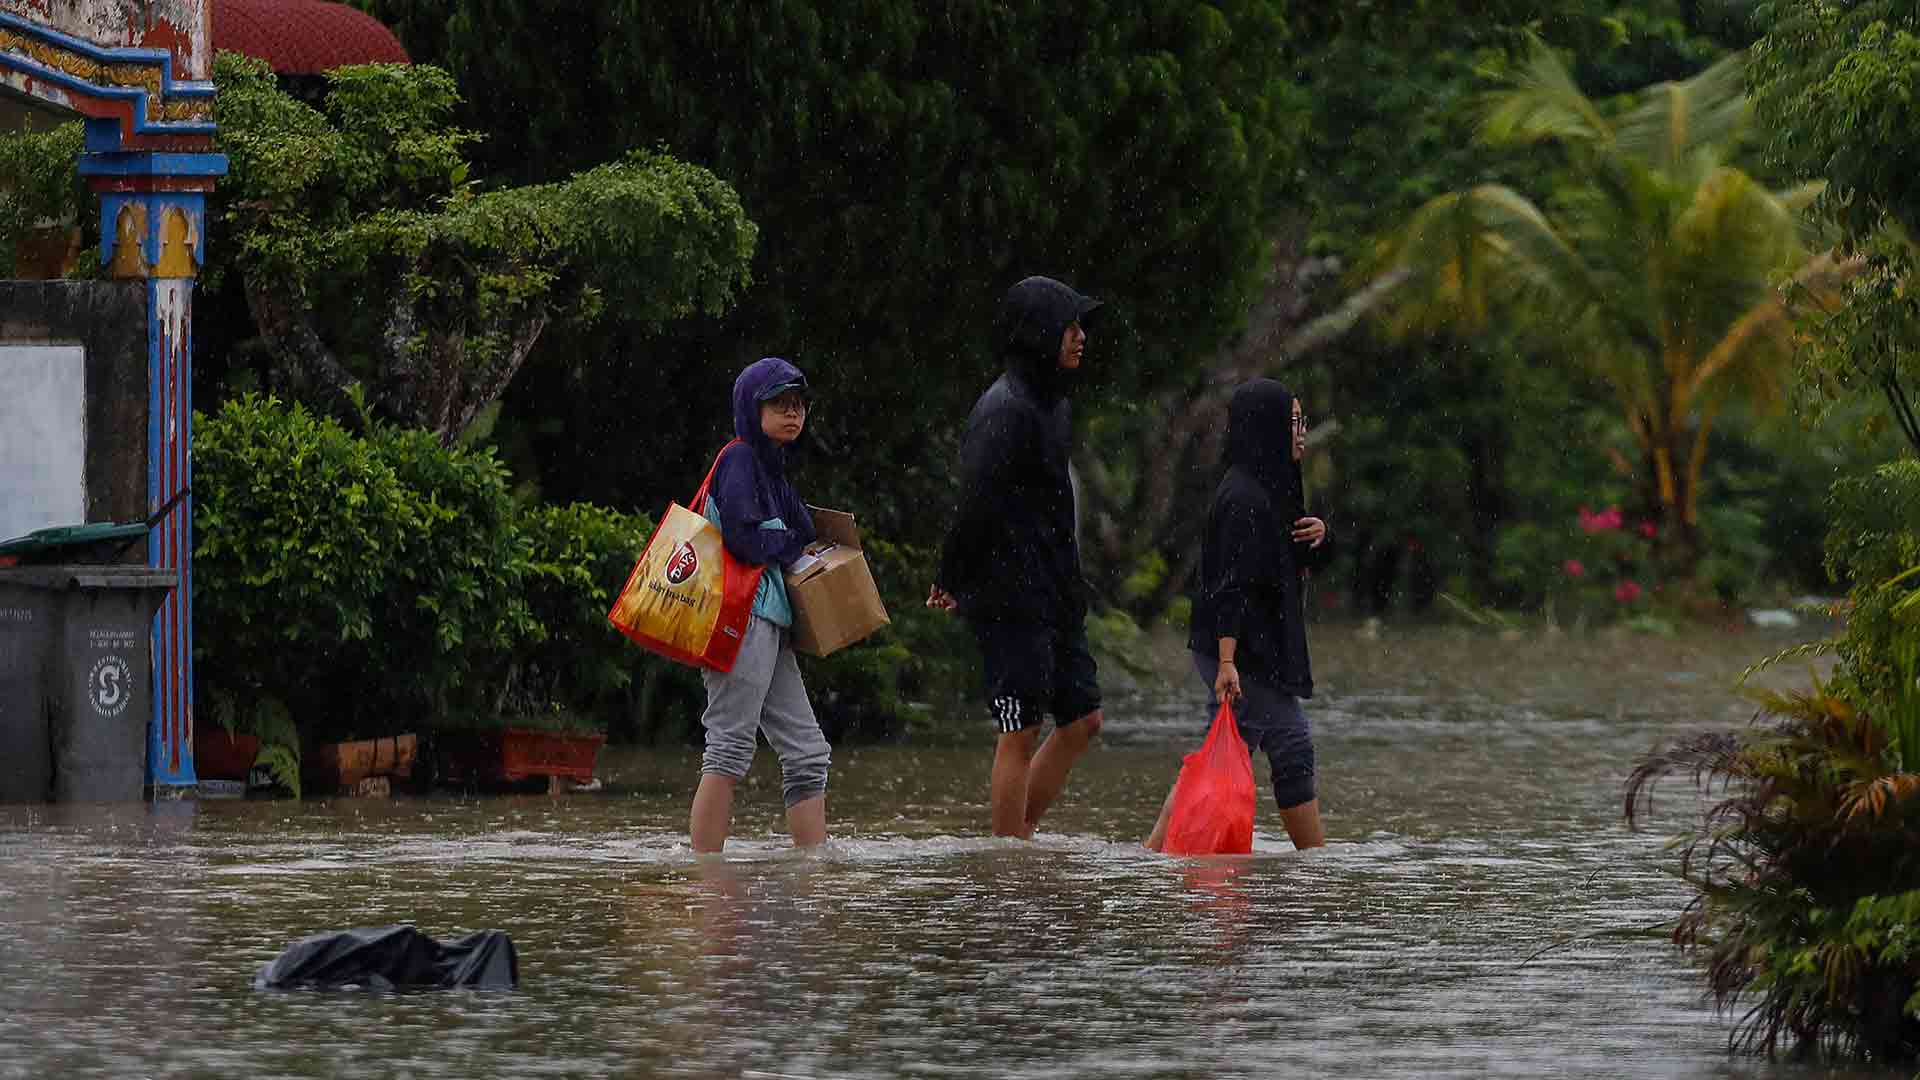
x: 777, y: 389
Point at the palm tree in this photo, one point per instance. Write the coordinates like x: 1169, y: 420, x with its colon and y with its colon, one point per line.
x: 1661, y: 268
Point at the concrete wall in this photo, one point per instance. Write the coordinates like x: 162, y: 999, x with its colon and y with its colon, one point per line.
x: 56, y: 338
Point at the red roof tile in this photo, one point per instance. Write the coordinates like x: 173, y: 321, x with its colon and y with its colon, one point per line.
x: 303, y: 37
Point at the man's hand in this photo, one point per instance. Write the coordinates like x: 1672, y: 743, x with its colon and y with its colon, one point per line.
x: 1310, y: 531
x: 940, y: 599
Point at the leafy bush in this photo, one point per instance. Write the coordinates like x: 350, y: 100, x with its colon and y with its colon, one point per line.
x: 1807, y: 871
x: 367, y: 585
x: 367, y: 256
x: 1819, y: 822
x: 456, y: 586
x: 1874, y: 536
x: 296, y: 525
x: 1596, y: 568
x: 38, y: 183
x: 364, y: 585
x: 580, y: 666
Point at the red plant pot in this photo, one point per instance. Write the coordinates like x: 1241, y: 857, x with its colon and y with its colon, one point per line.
x: 221, y: 755
x: 516, y: 754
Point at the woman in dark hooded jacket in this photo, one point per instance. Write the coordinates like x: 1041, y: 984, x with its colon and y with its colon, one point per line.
x: 763, y: 523
x: 1249, y: 637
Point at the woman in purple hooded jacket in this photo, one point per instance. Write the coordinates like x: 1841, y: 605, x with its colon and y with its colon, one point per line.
x: 764, y: 523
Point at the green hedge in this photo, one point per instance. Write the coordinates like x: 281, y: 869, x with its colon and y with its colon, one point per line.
x: 366, y: 585
x: 354, y: 585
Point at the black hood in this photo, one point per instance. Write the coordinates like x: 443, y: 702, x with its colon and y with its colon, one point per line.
x: 1033, y: 316
x: 1260, y: 441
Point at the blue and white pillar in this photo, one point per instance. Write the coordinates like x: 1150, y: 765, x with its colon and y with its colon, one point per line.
x: 153, y: 227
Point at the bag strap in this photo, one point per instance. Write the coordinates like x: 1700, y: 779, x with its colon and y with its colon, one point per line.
x: 700, y: 497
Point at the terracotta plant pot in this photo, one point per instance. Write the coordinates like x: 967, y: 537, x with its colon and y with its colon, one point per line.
x: 221, y: 755
x: 515, y: 754
x: 332, y: 766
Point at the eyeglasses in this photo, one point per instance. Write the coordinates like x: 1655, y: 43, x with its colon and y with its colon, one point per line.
x: 1300, y: 423
x: 788, y: 405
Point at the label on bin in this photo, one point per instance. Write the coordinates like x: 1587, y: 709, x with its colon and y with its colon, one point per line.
x: 113, y: 639
x: 110, y: 685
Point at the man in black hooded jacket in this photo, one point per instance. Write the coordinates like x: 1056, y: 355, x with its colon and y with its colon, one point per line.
x: 1011, y: 564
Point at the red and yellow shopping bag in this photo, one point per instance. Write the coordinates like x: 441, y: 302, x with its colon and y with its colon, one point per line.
x: 1213, y: 799
x: 688, y: 599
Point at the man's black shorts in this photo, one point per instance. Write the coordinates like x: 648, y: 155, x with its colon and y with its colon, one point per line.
x: 1033, y: 669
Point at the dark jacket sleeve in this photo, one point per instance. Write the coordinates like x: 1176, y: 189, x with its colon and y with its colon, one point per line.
x: 988, y: 459
x: 1240, y: 567
x: 742, y: 519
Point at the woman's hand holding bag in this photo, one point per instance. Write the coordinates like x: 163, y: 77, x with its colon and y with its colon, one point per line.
x: 1213, y: 799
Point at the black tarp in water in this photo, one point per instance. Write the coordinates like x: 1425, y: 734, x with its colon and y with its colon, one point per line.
x: 393, y: 958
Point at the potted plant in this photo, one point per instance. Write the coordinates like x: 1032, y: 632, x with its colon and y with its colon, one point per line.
x: 256, y: 747
x: 510, y: 750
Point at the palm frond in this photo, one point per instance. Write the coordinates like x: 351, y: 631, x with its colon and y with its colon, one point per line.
x: 1544, y: 105
x: 1872, y: 797
x: 1770, y: 322
x: 1471, y: 252
x: 1805, y: 649
x: 1715, y: 755
x: 1677, y: 120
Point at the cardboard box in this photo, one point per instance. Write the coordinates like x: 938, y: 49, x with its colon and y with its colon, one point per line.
x: 835, y: 602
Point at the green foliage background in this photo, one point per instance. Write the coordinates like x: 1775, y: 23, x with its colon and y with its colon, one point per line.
x: 670, y: 191
x: 904, y: 163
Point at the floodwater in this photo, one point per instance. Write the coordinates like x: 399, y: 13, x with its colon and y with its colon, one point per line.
x: 1480, y: 909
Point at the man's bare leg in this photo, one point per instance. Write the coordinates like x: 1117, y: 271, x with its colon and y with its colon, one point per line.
x: 1303, y: 824
x: 1012, y: 758
x: 1048, y: 776
x: 712, y: 812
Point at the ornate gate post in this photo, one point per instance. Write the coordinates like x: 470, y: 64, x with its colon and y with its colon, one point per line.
x: 138, y: 72
x: 153, y: 227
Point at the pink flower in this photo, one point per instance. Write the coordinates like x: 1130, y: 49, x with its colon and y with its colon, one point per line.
x: 1574, y: 568
x: 1604, y: 521
x: 1647, y: 529
x: 1626, y: 592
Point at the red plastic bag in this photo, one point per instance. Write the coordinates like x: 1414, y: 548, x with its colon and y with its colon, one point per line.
x: 1213, y: 799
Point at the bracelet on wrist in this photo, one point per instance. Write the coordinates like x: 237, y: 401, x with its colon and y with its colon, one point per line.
x: 1228, y: 660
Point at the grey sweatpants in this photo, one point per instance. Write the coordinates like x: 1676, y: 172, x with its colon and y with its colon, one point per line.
x: 763, y: 693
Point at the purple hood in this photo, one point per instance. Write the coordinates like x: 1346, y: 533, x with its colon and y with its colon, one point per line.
x: 751, y: 483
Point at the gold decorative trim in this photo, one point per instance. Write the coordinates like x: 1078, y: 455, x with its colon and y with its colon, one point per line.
x: 176, y: 246
x: 129, y: 242
x: 182, y: 109
x: 124, y: 75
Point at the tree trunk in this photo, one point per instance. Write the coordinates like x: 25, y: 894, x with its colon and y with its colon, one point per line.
x: 1668, y: 490
x: 285, y: 320
x: 1486, y: 506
